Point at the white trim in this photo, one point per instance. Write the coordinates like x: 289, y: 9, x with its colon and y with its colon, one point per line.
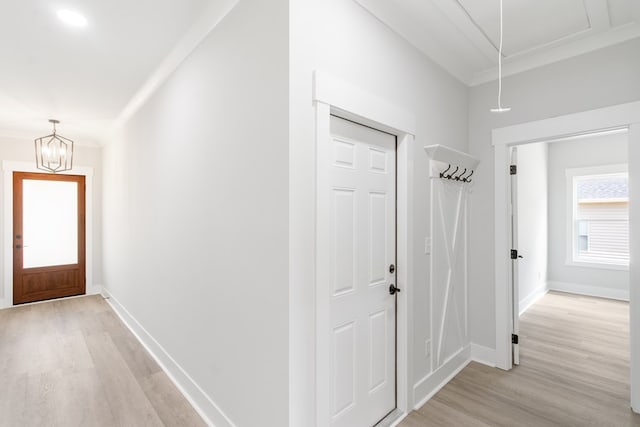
x: 9, y: 167
x: 404, y: 275
x: 206, y: 22
x: 484, y: 355
x: 444, y: 154
x: 201, y: 402
x: 428, y: 386
x: 367, y: 107
x: 393, y: 419
x: 400, y: 418
x: 634, y: 251
x: 533, y: 297
x: 352, y: 102
x: 590, y: 290
x: 571, y: 125
x: 604, y: 265
x: 607, y: 118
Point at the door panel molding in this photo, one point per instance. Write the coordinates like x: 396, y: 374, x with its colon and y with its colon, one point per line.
x: 6, y: 290
x: 362, y: 244
x: 353, y: 103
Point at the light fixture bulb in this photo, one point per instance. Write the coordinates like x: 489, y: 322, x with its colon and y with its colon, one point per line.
x: 501, y: 110
x: 72, y: 18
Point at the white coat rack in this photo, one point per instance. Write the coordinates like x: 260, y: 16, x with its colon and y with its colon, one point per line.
x: 451, y: 174
x: 461, y: 166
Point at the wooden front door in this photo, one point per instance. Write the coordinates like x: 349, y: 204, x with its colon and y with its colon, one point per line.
x: 48, y: 236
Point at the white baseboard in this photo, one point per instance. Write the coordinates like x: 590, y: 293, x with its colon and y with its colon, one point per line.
x: 4, y: 303
x: 399, y: 420
x: 201, y: 402
x: 484, y: 355
x: 533, y: 297
x: 427, y: 387
x: 589, y: 290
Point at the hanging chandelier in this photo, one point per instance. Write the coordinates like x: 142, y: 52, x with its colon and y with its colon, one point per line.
x: 54, y: 153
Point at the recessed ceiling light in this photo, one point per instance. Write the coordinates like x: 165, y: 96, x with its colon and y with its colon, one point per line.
x: 72, y: 18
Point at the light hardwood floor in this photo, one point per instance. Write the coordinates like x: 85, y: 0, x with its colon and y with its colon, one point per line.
x: 73, y: 363
x: 574, y: 371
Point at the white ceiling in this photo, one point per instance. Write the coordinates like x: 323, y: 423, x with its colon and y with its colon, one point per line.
x: 462, y: 35
x: 93, y: 78
x: 84, y: 77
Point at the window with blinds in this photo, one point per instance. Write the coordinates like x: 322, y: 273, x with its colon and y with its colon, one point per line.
x: 601, y: 218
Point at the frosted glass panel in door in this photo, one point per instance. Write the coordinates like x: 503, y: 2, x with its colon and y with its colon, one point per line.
x: 50, y: 223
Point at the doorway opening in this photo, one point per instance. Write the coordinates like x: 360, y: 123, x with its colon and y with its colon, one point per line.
x: 622, y: 116
x: 9, y: 167
x: 49, y: 236
x: 570, y: 231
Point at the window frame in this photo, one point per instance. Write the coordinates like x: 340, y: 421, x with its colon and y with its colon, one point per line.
x: 571, y: 242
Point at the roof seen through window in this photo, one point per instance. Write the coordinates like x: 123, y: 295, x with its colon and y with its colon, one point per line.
x: 603, y: 187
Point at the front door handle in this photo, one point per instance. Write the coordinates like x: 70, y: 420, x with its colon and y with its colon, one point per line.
x: 393, y: 290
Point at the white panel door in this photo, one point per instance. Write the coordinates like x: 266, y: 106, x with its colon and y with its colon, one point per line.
x: 361, y: 165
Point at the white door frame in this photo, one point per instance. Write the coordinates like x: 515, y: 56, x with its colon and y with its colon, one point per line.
x: 614, y: 117
x: 332, y: 95
x: 9, y: 167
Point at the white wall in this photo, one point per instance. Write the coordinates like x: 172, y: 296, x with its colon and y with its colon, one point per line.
x: 584, y: 152
x: 600, y: 78
x: 21, y: 150
x: 341, y: 38
x: 196, y: 217
x: 532, y: 222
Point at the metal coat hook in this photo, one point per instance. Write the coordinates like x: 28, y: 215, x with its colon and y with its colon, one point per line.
x: 457, y: 178
x: 442, y: 174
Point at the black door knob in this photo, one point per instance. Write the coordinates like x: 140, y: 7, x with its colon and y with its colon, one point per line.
x: 393, y: 290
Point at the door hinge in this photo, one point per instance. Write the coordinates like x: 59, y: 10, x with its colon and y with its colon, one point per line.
x: 514, y: 254
x: 513, y: 169
x: 514, y: 339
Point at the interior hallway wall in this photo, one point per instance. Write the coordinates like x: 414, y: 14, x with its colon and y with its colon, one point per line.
x: 196, y: 216
x: 594, y: 80
x: 341, y: 38
x: 600, y: 150
x: 22, y: 150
